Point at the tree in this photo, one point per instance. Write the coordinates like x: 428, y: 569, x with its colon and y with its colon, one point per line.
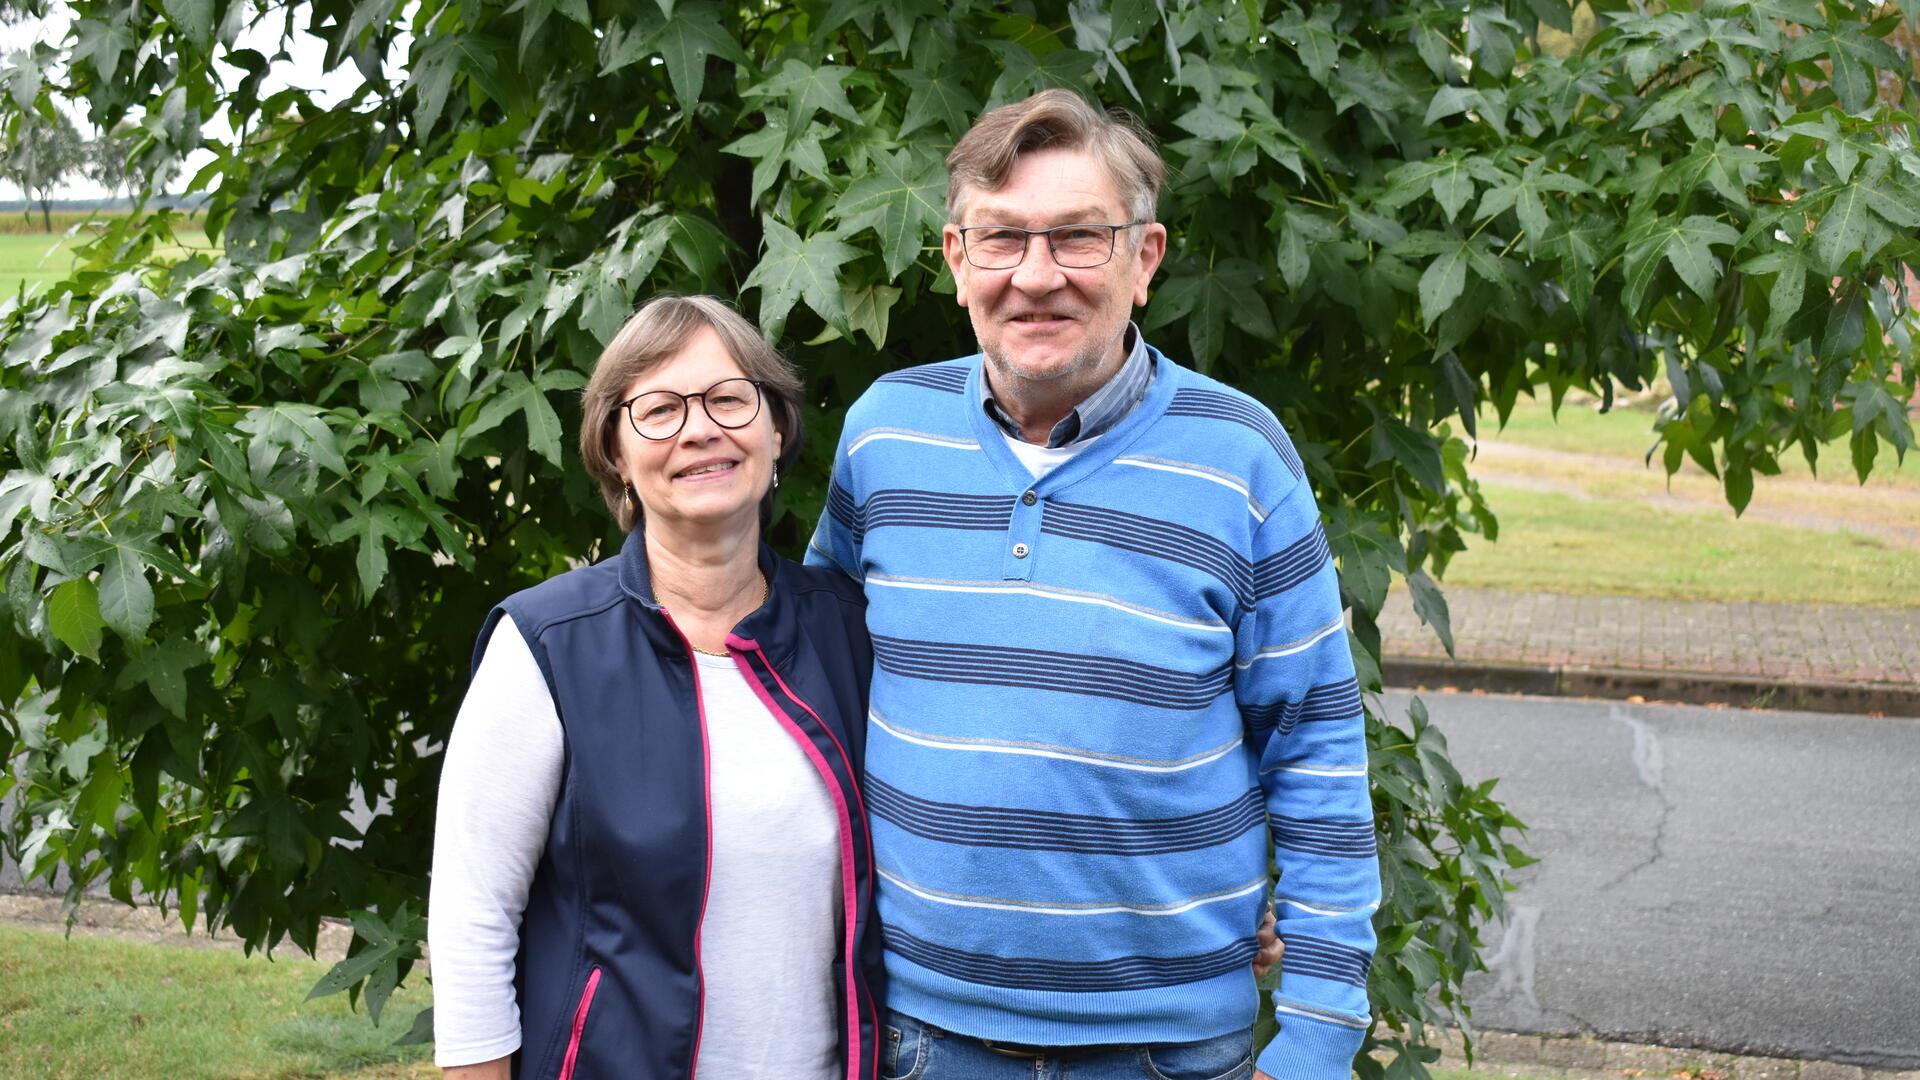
x: 43, y: 151
x: 112, y: 163
x: 256, y: 503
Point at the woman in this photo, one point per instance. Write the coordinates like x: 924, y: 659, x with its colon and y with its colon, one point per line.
x: 651, y: 857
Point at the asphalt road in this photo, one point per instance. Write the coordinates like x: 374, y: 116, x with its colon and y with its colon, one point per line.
x: 1746, y: 882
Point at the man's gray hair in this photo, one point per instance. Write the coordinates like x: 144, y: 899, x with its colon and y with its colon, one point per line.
x: 1056, y: 120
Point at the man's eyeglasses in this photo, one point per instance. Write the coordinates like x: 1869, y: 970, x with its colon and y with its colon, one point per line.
x: 1075, y: 247
x: 660, y: 414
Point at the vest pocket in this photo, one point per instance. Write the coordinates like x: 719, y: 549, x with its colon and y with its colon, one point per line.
x: 579, y: 1024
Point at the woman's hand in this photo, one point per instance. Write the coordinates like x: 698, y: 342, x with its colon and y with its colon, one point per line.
x: 1270, y: 948
x: 497, y: 1069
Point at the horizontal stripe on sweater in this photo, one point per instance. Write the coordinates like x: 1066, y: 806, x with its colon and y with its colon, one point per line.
x: 1214, y: 405
x: 1078, y: 755
x: 1068, y: 908
x: 1041, y: 830
x: 1333, y: 839
x: 1040, y: 669
x: 1328, y: 701
x: 1325, y: 959
x: 1186, y: 546
x: 1082, y: 975
x: 1047, y: 592
x: 951, y: 378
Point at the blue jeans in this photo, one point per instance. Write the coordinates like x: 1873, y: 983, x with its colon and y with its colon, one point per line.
x: 912, y: 1050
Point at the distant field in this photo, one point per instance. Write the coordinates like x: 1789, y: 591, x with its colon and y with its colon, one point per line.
x: 1627, y: 433
x: 14, y: 221
x: 36, y: 259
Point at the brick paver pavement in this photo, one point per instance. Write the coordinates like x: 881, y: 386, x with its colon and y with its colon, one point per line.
x: 1818, y: 642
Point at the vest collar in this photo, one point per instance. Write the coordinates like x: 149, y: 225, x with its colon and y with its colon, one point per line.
x: 769, y: 625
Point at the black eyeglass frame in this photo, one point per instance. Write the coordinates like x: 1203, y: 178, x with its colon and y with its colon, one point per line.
x: 1113, y: 241
x: 686, y: 408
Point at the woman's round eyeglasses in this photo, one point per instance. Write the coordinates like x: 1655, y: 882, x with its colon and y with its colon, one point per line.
x: 660, y: 414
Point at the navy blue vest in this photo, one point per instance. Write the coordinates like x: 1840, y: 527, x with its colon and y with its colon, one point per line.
x: 608, y: 977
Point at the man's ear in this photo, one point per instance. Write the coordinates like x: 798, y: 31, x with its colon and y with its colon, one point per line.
x: 1153, y: 248
x: 956, y: 257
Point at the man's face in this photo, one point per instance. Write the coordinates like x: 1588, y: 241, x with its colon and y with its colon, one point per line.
x: 1039, y: 321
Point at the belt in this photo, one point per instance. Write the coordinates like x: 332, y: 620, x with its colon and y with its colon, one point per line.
x: 1021, y: 1050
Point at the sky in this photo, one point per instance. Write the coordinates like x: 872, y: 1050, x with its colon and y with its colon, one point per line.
x: 303, y: 68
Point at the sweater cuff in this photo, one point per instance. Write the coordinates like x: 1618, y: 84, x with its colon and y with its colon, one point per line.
x: 1310, y: 1050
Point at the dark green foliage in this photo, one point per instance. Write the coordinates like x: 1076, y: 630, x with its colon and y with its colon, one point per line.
x: 254, y: 506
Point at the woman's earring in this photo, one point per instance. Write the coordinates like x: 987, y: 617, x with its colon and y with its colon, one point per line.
x: 629, y: 488
x: 776, y: 477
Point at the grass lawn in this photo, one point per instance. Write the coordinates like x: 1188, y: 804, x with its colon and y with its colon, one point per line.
x: 1563, y: 543
x: 96, y: 1006
x: 35, y: 259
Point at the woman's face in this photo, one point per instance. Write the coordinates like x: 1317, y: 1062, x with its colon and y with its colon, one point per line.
x: 705, y: 476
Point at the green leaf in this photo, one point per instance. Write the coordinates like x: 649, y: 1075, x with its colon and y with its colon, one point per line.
x: 1452, y: 187
x: 1783, y: 300
x: 371, y: 558
x: 1464, y: 389
x: 1688, y: 250
x: 606, y: 307
x: 944, y: 101
x: 73, y: 614
x: 690, y: 35
x: 1685, y: 245
x: 163, y: 668
x: 1313, y: 39
x: 1207, y: 122
x: 193, y: 18
x: 1415, y: 451
x: 1369, y: 552
x: 1207, y: 297
x: 421, y: 1033
x: 794, y: 269
x: 1738, y: 479
x: 902, y: 200
x: 867, y: 309
x: 351, y: 970
x: 1444, y: 279
x: 438, y: 60
x: 1431, y: 605
x: 808, y: 89
x: 126, y: 599
x: 1842, y: 229
x: 519, y: 395
x: 1846, y: 325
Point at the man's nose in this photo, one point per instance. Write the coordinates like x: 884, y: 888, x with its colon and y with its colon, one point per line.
x: 1037, y: 272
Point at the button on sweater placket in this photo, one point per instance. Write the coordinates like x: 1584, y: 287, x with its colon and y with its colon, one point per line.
x: 1023, y: 537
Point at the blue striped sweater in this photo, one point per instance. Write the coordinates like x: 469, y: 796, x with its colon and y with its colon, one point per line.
x: 1100, y: 699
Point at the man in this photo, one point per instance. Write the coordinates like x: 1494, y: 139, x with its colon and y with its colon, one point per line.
x: 1110, y: 664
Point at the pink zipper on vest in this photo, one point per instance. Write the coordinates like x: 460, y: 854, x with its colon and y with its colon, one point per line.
x: 706, y: 887
x: 579, y: 1024
x: 849, y: 892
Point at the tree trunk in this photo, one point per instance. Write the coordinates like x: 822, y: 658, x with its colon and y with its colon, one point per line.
x: 46, y: 214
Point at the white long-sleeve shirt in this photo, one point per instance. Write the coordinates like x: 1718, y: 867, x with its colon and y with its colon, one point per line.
x: 771, y: 930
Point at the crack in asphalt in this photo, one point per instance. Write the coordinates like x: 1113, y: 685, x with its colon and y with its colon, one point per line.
x: 1650, y: 763
x: 1513, y: 962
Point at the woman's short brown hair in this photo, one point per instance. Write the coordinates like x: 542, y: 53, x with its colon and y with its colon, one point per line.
x: 652, y: 335
x: 1056, y: 119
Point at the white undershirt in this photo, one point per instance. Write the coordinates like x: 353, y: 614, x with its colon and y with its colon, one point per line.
x: 772, y: 925
x: 1041, y: 460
